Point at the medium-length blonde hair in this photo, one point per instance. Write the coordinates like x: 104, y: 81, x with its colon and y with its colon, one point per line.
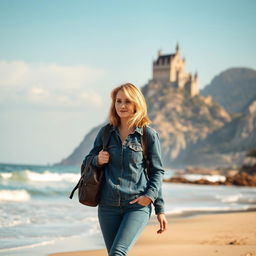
x: 140, y: 116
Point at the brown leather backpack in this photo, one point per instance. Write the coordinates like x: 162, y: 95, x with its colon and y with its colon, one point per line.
x: 92, y: 178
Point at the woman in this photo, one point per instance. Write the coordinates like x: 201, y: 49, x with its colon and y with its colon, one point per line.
x: 127, y: 194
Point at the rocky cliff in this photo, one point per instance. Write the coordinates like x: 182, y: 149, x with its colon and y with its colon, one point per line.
x: 234, y: 89
x: 181, y: 120
x: 226, y: 146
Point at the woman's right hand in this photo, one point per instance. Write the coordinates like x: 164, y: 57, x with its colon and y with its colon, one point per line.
x: 103, y: 157
x: 162, y: 222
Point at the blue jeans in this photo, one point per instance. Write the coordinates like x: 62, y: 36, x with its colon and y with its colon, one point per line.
x: 122, y: 225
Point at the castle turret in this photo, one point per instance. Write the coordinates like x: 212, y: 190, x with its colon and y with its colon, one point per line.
x: 177, y: 48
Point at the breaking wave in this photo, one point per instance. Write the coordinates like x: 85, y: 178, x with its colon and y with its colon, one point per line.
x: 46, y: 176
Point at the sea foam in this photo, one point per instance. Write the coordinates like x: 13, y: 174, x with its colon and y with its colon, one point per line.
x: 14, y: 195
x: 212, y: 178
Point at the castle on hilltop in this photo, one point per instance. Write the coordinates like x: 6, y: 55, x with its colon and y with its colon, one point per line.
x: 170, y: 68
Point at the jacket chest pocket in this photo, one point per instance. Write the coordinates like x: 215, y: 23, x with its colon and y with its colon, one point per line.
x: 135, y: 153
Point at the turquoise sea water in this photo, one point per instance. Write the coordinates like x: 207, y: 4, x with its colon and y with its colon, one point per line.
x: 37, y: 217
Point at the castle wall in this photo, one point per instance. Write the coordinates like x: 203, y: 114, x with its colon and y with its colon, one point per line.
x: 161, y: 72
x: 177, y: 68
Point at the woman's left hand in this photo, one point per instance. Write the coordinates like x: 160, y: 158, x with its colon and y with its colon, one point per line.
x: 163, y: 223
x: 142, y: 200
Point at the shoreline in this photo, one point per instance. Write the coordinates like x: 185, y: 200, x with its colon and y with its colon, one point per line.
x: 221, y: 234
x: 85, y: 243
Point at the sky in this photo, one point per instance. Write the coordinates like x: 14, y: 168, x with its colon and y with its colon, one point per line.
x: 59, y: 61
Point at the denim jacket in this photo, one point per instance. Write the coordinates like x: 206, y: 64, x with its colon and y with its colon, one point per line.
x: 125, y: 176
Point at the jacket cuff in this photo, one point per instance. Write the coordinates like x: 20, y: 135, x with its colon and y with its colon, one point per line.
x: 150, y: 195
x: 159, y: 209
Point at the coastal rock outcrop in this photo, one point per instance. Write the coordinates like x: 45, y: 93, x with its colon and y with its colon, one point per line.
x: 239, y: 179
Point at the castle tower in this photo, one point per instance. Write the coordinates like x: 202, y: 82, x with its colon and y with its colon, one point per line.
x: 170, y: 68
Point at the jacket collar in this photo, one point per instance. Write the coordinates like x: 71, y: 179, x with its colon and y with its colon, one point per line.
x: 137, y: 129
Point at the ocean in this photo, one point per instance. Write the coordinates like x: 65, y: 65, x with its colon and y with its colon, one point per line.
x: 37, y: 217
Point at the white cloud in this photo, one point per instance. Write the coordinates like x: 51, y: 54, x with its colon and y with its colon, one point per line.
x: 49, y: 84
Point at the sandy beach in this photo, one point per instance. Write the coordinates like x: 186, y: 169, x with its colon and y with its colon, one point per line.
x: 226, y: 234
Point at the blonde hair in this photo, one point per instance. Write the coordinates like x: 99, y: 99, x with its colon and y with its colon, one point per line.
x: 140, y: 117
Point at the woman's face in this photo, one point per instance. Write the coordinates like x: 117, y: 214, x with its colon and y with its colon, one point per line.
x: 124, y: 107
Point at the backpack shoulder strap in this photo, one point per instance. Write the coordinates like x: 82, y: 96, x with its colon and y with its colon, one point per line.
x: 106, y: 136
x: 144, y: 143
